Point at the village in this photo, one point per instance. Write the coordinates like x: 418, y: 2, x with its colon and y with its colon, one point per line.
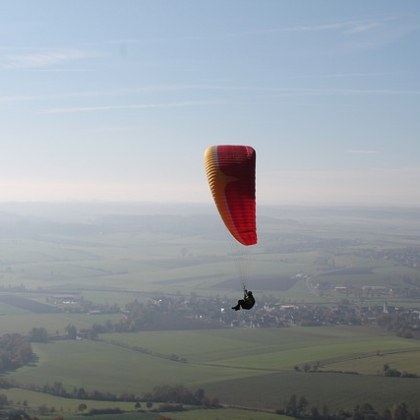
x: 180, y: 312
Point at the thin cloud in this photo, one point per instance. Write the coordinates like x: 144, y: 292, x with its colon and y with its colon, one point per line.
x: 223, y: 89
x: 124, y: 107
x: 363, y: 27
x: 356, y: 75
x: 335, y: 26
x: 62, y: 70
x: 43, y: 59
x: 353, y: 26
x: 351, y: 35
x: 326, y: 92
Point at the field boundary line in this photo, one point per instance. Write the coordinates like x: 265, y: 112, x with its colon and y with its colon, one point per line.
x: 364, y: 355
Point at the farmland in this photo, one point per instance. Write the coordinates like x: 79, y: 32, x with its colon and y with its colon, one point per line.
x: 82, y: 266
x: 245, y: 367
x: 117, y: 253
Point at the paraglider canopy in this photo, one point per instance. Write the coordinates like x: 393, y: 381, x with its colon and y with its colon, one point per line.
x: 231, y: 175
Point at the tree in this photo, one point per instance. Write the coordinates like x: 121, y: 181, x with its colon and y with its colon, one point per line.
x: 38, y: 335
x: 199, y: 395
x: 315, y: 413
x: 15, y: 351
x: 291, y: 406
x: 82, y: 407
x: 58, y: 389
x: 81, y: 393
x: 43, y: 409
x: 365, y: 412
x: 325, y: 411
x: 71, y: 331
x: 387, y: 415
x: 3, y: 400
x: 401, y: 412
x: 302, y: 405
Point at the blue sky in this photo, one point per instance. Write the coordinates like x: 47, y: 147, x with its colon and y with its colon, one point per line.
x: 117, y: 100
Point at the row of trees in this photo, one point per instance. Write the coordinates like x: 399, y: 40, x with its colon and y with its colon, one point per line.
x: 175, y: 394
x: 181, y: 395
x: 395, y: 373
x: 40, y: 334
x: 300, y: 408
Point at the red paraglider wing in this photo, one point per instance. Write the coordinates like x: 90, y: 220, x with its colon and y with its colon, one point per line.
x: 231, y: 176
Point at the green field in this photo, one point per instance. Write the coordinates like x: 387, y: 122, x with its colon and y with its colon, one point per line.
x: 115, y: 254
x: 404, y: 361
x: 63, y: 406
x: 68, y: 407
x: 244, y: 367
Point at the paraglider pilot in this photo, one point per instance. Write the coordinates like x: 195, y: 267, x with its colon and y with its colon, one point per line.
x: 247, y: 302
